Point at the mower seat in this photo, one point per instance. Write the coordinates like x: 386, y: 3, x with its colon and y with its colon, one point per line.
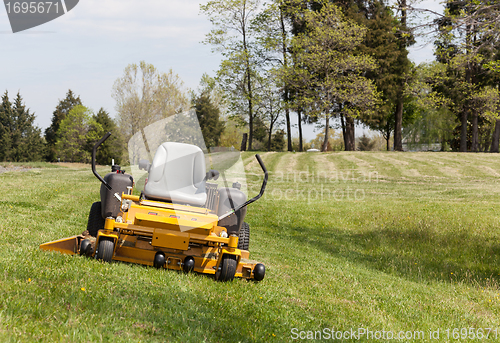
x: 177, y: 175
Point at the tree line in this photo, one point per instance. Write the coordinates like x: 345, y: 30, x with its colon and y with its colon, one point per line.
x: 348, y: 60
x: 69, y: 138
x: 320, y: 59
x: 336, y: 64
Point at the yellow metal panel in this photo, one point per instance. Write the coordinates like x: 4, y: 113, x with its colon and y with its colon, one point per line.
x: 175, y: 207
x: 173, y: 221
x: 134, y: 255
x: 66, y: 245
x: 171, y: 240
x: 200, y: 220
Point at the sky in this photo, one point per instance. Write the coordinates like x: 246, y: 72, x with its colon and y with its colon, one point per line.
x: 88, y: 48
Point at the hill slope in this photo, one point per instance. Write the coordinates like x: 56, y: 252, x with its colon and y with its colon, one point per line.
x: 384, y: 241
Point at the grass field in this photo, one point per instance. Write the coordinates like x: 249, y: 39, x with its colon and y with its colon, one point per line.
x: 383, y: 241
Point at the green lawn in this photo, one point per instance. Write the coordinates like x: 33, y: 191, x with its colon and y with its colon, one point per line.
x: 382, y: 241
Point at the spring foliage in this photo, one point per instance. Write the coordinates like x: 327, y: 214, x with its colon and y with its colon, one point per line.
x: 20, y: 138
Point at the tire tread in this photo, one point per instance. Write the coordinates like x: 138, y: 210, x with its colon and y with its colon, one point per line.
x: 228, y: 268
x: 244, y: 237
x: 106, y: 248
x: 95, y: 221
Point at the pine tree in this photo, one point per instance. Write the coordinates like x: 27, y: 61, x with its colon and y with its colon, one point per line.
x: 58, y: 116
x: 386, y: 42
x: 365, y: 143
x: 209, y: 120
x: 468, y: 43
x: 5, y: 128
x: 20, y: 139
x: 278, y: 141
x: 27, y: 144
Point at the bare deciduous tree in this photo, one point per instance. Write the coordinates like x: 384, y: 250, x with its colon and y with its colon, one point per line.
x: 144, y: 95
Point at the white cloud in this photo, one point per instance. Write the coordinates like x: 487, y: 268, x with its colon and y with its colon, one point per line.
x: 125, y: 19
x: 150, y: 9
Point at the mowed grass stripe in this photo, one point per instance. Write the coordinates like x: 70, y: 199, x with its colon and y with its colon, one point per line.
x: 470, y: 164
x: 252, y: 165
x: 324, y: 163
x: 285, y: 162
x: 417, y: 166
x: 373, y: 165
x: 461, y: 167
x: 389, y: 164
x: 343, y: 163
x: 305, y: 163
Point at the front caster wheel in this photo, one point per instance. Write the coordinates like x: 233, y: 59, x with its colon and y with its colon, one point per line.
x: 86, y: 247
x: 159, y: 260
x: 105, y: 249
x: 227, y: 268
x: 259, y: 271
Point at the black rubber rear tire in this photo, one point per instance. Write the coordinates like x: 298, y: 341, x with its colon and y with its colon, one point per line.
x: 227, y: 268
x: 96, y: 221
x: 244, y: 237
x: 105, y: 250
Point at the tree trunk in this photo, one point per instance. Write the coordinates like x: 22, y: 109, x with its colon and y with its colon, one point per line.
x: 349, y: 129
x: 249, y: 89
x: 398, y: 114
x: 398, y: 122
x: 388, y: 136
x: 301, y: 148
x: 270, y: 136
x: 250, y: 112
x: 487, y: 142
x: 244, y: 142
x: 475, y: 134
x: 496, y: 137
x: 402, y: 7
x: 325, y: 140
x: 465, y: 113
x: 344, y: 136
x: 285, y: 89
x: 463, y: 132
x: 288, y: 126
x: 353, y: 137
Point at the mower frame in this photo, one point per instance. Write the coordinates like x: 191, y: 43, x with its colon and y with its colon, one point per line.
x: 148, y: 232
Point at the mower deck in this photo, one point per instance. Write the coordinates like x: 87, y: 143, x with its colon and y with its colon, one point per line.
x: 149, y: 228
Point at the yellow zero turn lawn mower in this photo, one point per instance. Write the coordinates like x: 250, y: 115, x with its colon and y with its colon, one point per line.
x: 179, y: 221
